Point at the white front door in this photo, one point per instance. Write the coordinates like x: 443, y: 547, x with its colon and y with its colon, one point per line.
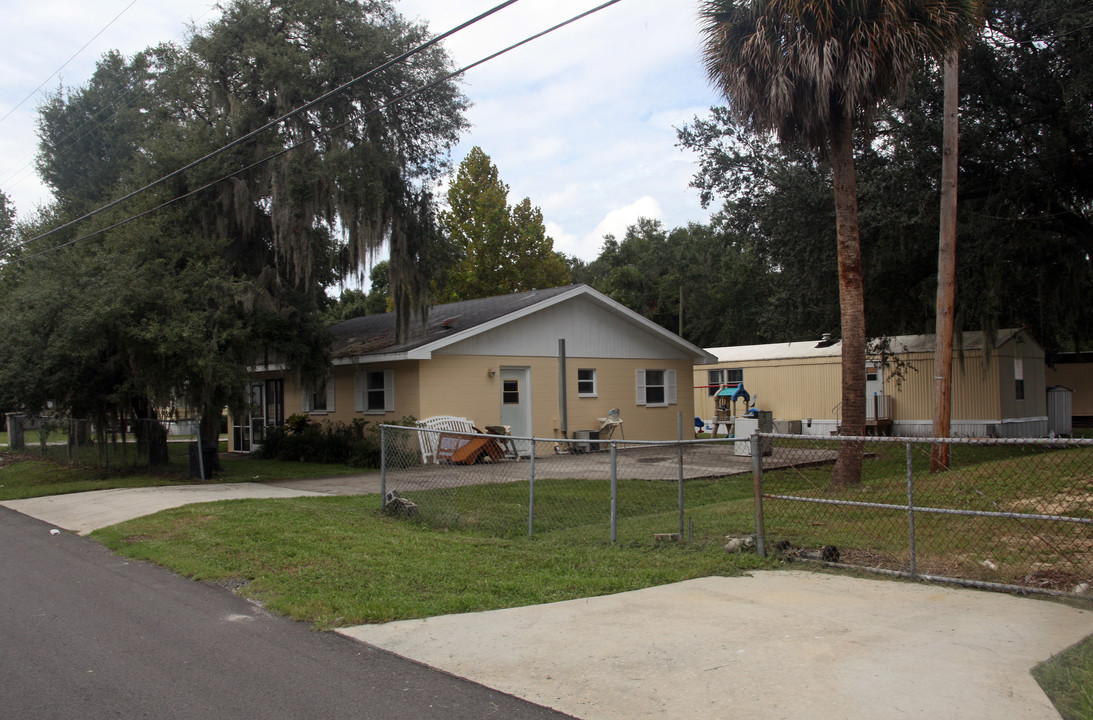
x: 516, y: 404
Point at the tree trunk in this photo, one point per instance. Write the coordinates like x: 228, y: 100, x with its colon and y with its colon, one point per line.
x: 946, y: 272
x: 150, y: 434
x: 209, y: 435
x: 848, y: 465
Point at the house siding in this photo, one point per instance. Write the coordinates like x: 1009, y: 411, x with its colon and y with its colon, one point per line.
x: 1078, y: 377
x: 461, y: 385
x: 446, y: 370
x: 588, y: 330
x: 983, y: 399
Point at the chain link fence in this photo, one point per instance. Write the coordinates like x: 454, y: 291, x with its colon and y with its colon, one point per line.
x: 168, y: 445
x: 1011, y: 514
x: 696, y: 491
x: 1008, y: 513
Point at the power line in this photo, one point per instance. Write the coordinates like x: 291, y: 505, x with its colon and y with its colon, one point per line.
x: 19, y: 169
x: 292, y: 113
x: 66, y: 62
x: 394, y: 101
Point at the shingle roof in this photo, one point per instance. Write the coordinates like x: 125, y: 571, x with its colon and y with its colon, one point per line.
x: 375, y: 334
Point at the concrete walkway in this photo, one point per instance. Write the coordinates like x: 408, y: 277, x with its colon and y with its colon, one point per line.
x: 789, y: 644
x: 88, y: 511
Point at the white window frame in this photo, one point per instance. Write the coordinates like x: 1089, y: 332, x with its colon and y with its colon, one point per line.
x: 1019, y: 379
x: 669, y: 385
x: 310, y: 395
x: 714, y: 378
x: 595, y: 387
x: 361, y: 391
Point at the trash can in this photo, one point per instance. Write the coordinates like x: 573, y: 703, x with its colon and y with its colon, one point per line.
x: 208, y: 458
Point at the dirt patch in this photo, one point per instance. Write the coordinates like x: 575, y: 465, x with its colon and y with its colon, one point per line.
x: 1069, y: 502
x: 233, y: 585
x: 1050, y: 579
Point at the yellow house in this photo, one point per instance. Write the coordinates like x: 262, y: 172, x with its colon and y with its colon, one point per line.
x: 996, y: 391
x: 543, y: 362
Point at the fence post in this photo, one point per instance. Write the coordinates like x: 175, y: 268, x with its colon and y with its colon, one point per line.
x: 614, y: 493
x: 680, y: 446
x: 200, y: 450
x: 757, y: 480
x: 911, y: 506
x: 383, y: 466
x: 531, y: 491
x: 16, y: 437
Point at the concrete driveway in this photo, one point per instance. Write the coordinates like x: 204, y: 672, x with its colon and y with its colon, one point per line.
x: 789, y: 644
x: 88, y: 511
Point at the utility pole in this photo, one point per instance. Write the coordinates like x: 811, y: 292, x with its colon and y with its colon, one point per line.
x: 946, y: 270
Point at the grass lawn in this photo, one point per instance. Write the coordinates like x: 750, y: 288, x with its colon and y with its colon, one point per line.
x: 1067, y: 679
x: 337, y: 561
x: 27, y: 475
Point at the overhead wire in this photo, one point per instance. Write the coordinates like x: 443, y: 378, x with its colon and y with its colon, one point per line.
x: 21, y: 169
x: 308, y: 141
x: 66, y: 62
x: 277, y: 121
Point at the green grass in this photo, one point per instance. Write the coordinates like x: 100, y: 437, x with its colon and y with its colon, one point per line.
x: 1019, y: 479
x: 1067, y: 679
x: 26, y: 475
x: 33, y: 438
x: 337, y: 561
x: 37, y: 478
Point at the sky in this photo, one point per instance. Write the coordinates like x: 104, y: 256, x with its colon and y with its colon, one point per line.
x: 582, y: 121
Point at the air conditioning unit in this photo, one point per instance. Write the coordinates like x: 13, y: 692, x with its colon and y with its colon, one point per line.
x: 582, y: 437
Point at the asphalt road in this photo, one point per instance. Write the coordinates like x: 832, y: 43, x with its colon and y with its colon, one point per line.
x: 85, y: 633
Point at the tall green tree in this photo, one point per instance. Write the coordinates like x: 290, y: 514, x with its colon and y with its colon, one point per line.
x: 500, y: 249
x: 355, y: 303
x: 701, y: 273
x: 811, y: 72
x: 310, y: 198
x: 7, y: 222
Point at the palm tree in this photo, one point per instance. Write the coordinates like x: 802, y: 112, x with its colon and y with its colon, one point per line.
x: 813, y: 72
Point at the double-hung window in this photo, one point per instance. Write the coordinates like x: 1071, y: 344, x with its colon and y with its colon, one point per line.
x: 586, y: 382
x: 716, y: 378
x: 319, y: 398
x: 374, y: 391
x: 656, y: 388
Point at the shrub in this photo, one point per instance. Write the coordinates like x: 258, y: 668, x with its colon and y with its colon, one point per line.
x: 324, y: 442
x: 299, y: 439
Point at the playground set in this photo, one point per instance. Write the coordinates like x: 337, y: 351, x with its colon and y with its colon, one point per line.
x: 725, y: 411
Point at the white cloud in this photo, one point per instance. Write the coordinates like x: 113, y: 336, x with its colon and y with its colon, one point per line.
x: 616, y: 221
